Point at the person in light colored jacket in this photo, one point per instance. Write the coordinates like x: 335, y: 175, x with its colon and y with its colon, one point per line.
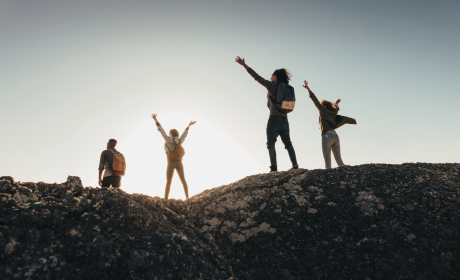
x: 329, y: 120
x: 171, y: 142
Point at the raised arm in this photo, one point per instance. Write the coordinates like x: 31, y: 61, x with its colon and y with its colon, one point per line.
x: 313, y: 97
x: 185, y: 133
x: 161, y: 130
x: 253, y: 73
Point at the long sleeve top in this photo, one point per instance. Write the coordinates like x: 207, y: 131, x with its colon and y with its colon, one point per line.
x: 105, y: 162
x: 272, y: 91
x: 329, y: 120
x: 171, y: 142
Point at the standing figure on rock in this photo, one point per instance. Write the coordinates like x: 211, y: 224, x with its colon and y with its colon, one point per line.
x: 278, y: 124
x: 174, y: 153
x: 113, y: 164
x: 328, y: 122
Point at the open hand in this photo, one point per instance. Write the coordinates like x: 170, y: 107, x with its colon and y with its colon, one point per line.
x: 154, y: 116
x: 240, y: 61
x: 337, y: 102
x: 192, y: 123
x: 305, y: 85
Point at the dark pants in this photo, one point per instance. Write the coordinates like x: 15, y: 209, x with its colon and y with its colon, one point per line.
x: 279, y: 126
x: 169, y: 175
x: 113, y: 180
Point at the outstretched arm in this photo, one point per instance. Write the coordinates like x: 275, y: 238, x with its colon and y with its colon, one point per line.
x: 253, y: 73
x: 241, y: 62
x: 191, y: 123
x: 185, y: 133
x: 313, y: 96
x: 154, y: 117
x: 160, y: 129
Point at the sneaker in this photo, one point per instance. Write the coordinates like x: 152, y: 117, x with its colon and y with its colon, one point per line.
x: 295, y: 167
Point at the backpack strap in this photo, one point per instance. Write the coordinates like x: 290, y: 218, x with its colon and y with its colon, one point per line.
x: 113, y: 152
x: 174, y: 144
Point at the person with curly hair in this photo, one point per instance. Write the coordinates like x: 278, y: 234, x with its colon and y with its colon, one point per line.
x: 278, y: 124
x: 329, y: 120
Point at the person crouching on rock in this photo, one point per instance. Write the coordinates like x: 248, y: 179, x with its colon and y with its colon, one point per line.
x: 174, y: 153
x: 328, y: 122
x: 278, y: 124
x: 113, y: 164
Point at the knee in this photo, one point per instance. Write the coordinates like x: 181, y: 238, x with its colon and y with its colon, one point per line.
x: 271, y: 144
x: 288, y: 145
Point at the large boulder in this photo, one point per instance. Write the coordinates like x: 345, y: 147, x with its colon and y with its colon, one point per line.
x: 364, y: 222
x: 101, y: 234
x: 372, y: 221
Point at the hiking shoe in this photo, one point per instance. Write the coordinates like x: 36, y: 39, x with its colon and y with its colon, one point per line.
x: 295, y: 167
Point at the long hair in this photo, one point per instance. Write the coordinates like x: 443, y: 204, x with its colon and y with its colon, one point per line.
x: 328, y: 105
x: 282, y: 75
x: 174, y: 132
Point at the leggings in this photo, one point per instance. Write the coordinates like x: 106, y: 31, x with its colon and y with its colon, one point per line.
x: 330, y: 141
x: 169, y: 175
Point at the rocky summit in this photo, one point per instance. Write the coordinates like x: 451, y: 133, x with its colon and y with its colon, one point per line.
x: 374, y: 221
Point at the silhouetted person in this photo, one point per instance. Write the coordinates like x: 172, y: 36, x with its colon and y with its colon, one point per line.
x: 278, y: 124
x: 174, y: 153
x: 328, y: 122
x: 112, y: 175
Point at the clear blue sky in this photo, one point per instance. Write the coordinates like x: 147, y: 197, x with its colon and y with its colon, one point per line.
x: 76, y: 73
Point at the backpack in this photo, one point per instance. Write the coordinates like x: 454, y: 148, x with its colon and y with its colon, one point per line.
x: 118, y: 164
x: 287, y: 96
x: 178, y: 152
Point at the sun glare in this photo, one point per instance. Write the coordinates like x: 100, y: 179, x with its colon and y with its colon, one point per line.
x: 206, y: 163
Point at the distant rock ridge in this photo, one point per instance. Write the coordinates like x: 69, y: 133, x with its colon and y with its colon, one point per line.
x: 374, y: 221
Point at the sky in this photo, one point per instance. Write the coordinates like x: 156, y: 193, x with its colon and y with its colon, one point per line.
x: 77, y: 73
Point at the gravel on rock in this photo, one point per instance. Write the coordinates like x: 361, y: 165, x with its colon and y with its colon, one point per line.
x: 374, y: 221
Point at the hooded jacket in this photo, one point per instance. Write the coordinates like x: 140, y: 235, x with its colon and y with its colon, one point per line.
x: 171, y: 142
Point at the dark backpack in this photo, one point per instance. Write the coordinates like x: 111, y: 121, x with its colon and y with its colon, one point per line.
x: 287, y: 96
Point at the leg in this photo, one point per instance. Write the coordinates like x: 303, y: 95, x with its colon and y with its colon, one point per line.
x: 180, y: 172
x: 106, y: 182
x: 327, y: 143
x: 169, y: 175
x: 272, y: 134
x: 286, y: 138
x: 336, y: 152
x: 116, y: 181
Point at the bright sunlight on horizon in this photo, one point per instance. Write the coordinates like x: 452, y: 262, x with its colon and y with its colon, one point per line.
x: 75, y: 74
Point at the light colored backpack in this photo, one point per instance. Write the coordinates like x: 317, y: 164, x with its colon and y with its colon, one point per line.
x: 118, y: 164
x: 178, y: 152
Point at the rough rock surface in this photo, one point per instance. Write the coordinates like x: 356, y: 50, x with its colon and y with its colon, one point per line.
x: 372, y: 221
x: 49, y: 232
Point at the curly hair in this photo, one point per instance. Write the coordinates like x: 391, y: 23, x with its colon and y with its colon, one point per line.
x: 282, y: 75
x: 328, y: 105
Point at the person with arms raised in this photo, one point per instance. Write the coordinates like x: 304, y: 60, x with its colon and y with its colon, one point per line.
x: 278, y: 124
x: 174, y: 153
x: 328, y: 122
